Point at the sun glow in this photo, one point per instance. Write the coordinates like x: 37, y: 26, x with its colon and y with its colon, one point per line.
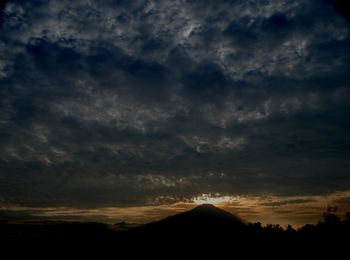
x: 215, y: 199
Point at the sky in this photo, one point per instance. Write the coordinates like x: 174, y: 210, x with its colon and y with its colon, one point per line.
x: 115, y: 110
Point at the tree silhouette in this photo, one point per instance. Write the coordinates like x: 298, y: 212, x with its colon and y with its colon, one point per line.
x: 330, y: 217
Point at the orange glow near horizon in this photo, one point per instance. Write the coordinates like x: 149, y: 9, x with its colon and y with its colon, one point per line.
x: 293, y: 210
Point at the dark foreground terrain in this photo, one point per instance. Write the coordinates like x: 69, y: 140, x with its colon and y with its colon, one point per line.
x: 204, y: 229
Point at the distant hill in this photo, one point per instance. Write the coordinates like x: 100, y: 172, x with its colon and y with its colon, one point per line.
x: 203, y: 226
x: 200, y: 219
x: 124, y: 226
x: 200, y: 230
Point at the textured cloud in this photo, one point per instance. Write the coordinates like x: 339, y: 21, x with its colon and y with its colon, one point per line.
x: 125, y: 102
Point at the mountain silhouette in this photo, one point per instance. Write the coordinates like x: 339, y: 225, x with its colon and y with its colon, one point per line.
x: 205, y: 218
x: 208, y: 212
x: 200, y: 230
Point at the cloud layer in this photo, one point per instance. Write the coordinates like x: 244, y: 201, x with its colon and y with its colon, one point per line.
x: 131, y: 103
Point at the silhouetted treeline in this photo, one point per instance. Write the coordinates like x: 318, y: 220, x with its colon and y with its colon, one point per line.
x: 332, y: 234
x: 206, y: 227
x: 331, y: 223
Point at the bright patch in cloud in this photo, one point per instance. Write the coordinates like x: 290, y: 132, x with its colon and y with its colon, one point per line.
x: 215, y: 199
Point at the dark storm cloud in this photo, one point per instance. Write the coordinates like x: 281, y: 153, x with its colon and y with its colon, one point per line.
x: 136, y: 102
x: 342, y: 7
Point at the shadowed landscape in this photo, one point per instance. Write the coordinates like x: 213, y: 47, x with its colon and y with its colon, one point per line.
x: 205, y: 226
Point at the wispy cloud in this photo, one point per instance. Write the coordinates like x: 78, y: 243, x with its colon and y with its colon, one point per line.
x: 122, y: 102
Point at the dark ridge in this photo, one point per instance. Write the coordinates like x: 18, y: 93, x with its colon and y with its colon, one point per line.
x: 209, y: 211
x: 201, y: 230
x: 124, y: 226
x: 199, y: 220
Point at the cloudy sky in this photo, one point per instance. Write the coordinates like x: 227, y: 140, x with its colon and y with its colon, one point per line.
x: 131, y: 110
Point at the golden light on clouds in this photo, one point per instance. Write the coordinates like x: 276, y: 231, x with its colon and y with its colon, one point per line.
x: 295, y: 210
x: 215, y: 199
